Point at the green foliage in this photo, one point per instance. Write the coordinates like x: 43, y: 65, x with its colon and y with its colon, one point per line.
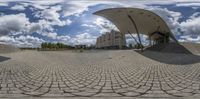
x: 138, y: 46
x: 130, y: 46
x: 55, y: 46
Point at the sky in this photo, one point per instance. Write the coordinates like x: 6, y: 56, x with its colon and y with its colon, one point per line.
x: 28, y: 23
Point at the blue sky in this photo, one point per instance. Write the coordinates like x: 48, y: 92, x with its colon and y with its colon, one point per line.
x: 28, y: 23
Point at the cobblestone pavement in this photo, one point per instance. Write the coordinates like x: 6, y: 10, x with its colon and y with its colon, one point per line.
x: 95, y: 74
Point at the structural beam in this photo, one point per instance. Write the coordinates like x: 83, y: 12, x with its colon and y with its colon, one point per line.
x: 133, y: 37
x: 150, y: 42
x: 134, y: 24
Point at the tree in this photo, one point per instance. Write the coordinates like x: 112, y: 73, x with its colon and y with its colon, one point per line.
x: 130, y: 46
x: 138, y: 46
x: 55, y: 46
x: 44, y: 45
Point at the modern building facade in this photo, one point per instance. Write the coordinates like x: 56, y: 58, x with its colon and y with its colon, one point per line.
x: 113, y: 39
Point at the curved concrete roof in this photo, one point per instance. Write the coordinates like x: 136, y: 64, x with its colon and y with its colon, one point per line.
x: 134, y: 19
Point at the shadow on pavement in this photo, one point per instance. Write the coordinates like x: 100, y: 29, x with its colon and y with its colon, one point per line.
x: 172, y: 55
x: 2, y: 58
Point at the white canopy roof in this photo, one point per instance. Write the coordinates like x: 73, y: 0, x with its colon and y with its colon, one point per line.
x: 134, y: 19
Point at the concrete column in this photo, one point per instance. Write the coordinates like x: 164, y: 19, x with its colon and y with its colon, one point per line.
x: 150, y: 40
x: 150, y: 43
x: 120, y: 41
x: 165, y: 41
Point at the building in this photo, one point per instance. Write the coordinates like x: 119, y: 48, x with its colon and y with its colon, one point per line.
x: 113, y: 39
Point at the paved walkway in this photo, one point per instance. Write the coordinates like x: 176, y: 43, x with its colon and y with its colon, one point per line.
x: 102, y: 74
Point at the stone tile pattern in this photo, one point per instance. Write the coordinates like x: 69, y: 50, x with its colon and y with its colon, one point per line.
x: 95, y: 74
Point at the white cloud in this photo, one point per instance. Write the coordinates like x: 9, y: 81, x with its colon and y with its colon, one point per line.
x: 38, y: 4
x: 3, y: 4
x: 45, y: 28
x: 170, y: 17
x: 41, y: 7
x: 57, y: 38
x: 35, y: 27
x: 189, y: 4
x: 45, y: 25
x: 189, y: 38
x: 195, y: 15
x: 18, y: 7
x: 88, y: 25
x: 105, y: 25
x: 191, y: 26
x: 51, y: 35
x: 63, y: 38
x: 19, y: 24
x: 22, y: 41
x: 45, y: 2
x: 75, y: 7
x: 13, y: 24
x: 52, y: 16
x: 6, y: 39
x: 83, y: 38
x: 74, y: 10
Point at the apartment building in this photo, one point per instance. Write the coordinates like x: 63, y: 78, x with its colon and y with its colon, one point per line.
x: 113, y: 39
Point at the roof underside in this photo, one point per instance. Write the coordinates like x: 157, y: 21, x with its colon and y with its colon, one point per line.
x: 134, y: 19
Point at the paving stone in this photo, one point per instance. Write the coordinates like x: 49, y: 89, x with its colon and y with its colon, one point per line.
x: 69, y: 74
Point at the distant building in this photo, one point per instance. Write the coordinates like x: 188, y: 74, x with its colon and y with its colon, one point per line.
x: 113, y: 39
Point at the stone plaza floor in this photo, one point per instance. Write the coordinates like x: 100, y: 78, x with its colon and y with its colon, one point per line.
x: 98, y: 74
